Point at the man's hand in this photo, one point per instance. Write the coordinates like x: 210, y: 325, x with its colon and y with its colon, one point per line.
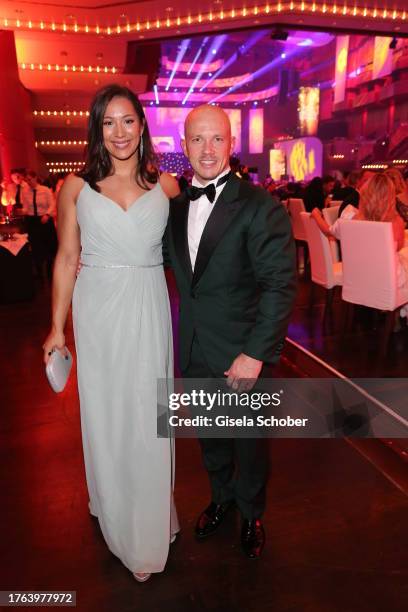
x: 243, y: 372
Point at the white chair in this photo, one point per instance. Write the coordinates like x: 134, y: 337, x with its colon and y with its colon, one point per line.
x: 295, y: 208
x: 325, y: 272
x: 370, y: 268
x: 330, y: 215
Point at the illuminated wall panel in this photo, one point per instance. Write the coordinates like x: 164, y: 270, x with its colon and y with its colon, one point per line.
x: 308, y: 109
x: 256, y: 130
x: 341, y: 68
x: 277, y: 166
x: 382, y: 64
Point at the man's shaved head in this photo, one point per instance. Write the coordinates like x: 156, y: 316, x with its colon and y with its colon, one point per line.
x: 207, y: 141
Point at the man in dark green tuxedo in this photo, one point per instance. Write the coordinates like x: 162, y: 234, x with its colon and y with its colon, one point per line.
x: 231, y: 249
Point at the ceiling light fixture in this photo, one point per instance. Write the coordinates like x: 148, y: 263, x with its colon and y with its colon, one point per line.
x: 70, y: 68
x: 279, y: 34
x: 185, y: 21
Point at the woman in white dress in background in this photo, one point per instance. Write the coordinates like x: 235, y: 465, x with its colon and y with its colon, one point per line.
x: 112, y: 216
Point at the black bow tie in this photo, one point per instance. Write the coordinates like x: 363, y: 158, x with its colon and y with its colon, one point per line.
x: 193, y: 192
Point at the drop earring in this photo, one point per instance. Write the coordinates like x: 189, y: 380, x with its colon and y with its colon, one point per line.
x: 141, y: 148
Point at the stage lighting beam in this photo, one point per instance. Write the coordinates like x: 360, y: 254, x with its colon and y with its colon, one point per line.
x: 257, y: 74
x: 193, y: 63
x: 242, y: 49
x: 182, y: 51
x: 216, y: 46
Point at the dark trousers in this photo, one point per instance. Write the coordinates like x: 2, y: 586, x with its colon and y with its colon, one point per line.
x: 44, y: 243
x: 237, y: 467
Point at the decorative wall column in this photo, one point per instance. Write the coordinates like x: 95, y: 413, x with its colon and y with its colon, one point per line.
x: 17, y: 141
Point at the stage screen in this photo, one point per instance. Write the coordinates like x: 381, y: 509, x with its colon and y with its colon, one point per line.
x: 166, y: 125
x: 304, y: 157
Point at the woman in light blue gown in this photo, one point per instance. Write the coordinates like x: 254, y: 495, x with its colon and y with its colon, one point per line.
x: 112, y: 217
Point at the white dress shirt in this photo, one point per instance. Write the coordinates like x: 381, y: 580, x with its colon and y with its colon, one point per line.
x: 198, y: 215
x: 44, y: 199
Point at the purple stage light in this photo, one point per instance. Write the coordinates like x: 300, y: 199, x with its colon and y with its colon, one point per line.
x: 156, y: 93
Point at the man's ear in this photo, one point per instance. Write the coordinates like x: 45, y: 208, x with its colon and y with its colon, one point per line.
x: 233, y: 141
x: 184, y: 146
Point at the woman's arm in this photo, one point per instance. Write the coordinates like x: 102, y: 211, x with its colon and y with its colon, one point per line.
x: 66, y: 263
x: 324, y: 227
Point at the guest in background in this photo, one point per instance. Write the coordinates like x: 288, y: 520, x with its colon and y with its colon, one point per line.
x: 267, y: 181
x: 235, y: 163
x: 347, y: 188
x: 12, y: 191
x: 360, y: 180
x: 271, y: 186
x: 401, y: 189
x: 317, y: 192
x: 57, y: 182
x: 39, y: 208
x: 377, y: 203
x: 289, y: 190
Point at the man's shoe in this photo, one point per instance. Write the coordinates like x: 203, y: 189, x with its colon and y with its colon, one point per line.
x: 209, y: 520
x: 252, y: 538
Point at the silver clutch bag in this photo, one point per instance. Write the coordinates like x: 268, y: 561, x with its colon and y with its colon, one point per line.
x: 57, y: 369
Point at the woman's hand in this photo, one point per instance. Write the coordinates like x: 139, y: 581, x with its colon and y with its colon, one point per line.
x: 54, y: 340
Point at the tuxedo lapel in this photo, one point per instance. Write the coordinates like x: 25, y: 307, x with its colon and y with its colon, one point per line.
x: 225, y: 209
x: 179, y: 219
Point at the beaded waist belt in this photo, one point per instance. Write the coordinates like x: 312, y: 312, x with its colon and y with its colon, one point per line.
x: 112, y: 266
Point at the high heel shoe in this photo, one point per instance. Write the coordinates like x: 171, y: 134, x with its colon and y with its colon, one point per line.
x: 141, y: 577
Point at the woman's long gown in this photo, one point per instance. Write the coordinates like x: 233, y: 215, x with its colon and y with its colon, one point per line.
x: 123, y: 342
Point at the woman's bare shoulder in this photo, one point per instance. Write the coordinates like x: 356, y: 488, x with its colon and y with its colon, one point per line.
x: 71, y: 187
x: 169, y: 185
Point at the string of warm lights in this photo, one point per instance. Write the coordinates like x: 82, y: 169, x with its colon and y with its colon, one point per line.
x: 67, y: 68
x: 66, y: 163
x: 62, y: 169
x: 400, y: 161
x: 338, y: 156
x: 60, y: 113
x: 53, y: 143
x: 339, y: 9
x: 375, y: 166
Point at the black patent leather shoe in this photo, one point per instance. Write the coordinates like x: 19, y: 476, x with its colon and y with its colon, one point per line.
x: 209, y: 520
x: 252, y: 538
